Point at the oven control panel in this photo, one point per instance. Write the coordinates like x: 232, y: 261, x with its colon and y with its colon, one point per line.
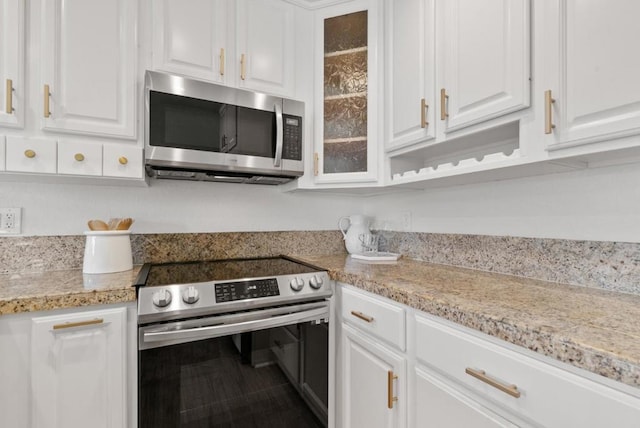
x: 241, y: 290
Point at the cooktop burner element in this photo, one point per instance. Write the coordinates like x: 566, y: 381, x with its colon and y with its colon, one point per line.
x: 170, y: 291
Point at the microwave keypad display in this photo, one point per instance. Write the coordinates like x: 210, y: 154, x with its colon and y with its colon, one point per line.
x: 292, y: 144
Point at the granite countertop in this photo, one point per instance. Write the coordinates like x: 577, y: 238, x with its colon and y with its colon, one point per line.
x: 589, y: 328
x: 64, y: 289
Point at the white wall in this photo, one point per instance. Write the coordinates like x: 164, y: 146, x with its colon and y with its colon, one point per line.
x: 173, y: 206
x: 593, y: 204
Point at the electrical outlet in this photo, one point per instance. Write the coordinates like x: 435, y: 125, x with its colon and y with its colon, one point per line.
x: 10, y: 221
x: 406, y: 221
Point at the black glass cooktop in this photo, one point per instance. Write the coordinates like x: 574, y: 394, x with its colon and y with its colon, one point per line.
x: 222, y: 270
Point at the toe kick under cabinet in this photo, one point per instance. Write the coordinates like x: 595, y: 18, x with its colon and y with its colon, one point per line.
x: 400, y: 367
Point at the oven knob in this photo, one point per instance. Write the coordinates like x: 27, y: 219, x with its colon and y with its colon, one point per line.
x: 296, y: 284
x: 162, y: 298
x: 315, y: 282
x: 190, y: 295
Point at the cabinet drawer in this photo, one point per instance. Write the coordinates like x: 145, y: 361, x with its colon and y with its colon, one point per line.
x: 382, y: 319
x: 79, y: 158
x: 120, y: 160
x: 549, y: 396
x: 2, y: 153
x: 31, y: 155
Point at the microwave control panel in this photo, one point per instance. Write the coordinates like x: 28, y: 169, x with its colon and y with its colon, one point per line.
x: 292, y: 139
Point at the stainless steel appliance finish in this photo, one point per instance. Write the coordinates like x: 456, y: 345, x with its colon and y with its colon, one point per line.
x: 240, y: 148
x: 233, y: 343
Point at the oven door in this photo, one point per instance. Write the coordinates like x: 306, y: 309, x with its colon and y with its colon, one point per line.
x: 261, y: 368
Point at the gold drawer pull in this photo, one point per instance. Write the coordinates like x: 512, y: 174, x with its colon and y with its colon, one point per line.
x: 123, y: 160
x: 243, y: 66
x: 362, y: 316
x: 79, y: 157
x: 316, y: 160
x: 512, y: 390
x: 423, y: 113
x: 30, y: 154
x: 548, y: 112
x: 221, y: 61
x: 47, y: 98
x: 78, y: 324
x: 9, y: 94
x: 443, y: 104
x: 390, y: 397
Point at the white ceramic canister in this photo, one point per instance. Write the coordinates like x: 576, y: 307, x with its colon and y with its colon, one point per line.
x: 107, y: 251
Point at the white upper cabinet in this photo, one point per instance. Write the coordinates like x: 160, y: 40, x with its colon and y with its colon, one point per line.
x: 592, y: 66
x: 265, y: 46
x: 88, y: 66
x: 482, y: 60
x: 410, y: 72
x: 12, y: 87
x: 190, y: 38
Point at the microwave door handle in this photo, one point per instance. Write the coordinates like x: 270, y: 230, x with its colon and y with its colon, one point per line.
x: 279, y: 136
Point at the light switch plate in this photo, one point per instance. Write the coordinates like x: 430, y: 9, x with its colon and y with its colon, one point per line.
x: 10, y: 221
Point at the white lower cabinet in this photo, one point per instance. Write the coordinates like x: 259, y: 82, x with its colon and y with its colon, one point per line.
x: 373, y: 383
x: 451, y: 376
x: 439, y: 405
x: 78, y: 368
x: 69, y: 368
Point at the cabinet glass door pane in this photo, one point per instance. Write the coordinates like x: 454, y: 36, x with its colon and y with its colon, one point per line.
x: 345, y: 93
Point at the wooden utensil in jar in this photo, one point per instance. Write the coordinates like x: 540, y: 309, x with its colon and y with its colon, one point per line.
x: 124, y: 224
x: 97, y: 225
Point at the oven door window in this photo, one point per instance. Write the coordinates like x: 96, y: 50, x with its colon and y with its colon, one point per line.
x: 256, y: 379
x: 188, y: 123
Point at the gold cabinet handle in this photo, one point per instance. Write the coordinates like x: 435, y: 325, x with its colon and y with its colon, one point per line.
x: 316, y: 161
x: 243, y: 64
x: 78, y: 324
x: 548, y: 112
x: 443, y: 104
x: 47, y: 97
x: 30, y: 153
x: 9, y: 95
x: 123, y: 160
x: 221, y: 61
x: 423, y: 113
x: 512, y: 390
x: 362, y: 316
x: 390, y: 397
x: 79, y: 157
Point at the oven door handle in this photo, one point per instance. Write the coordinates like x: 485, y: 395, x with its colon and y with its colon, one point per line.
x: 171, y: 334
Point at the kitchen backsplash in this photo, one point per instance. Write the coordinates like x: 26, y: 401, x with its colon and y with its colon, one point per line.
x: 608, y: 265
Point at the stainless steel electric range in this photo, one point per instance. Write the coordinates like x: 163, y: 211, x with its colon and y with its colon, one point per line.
x: 233, y: 343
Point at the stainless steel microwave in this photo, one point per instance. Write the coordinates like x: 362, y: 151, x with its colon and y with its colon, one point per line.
x: 196, y: 130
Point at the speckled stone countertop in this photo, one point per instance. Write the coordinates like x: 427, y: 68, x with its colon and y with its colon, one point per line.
x: 589, y: 328
x: 32, y: 292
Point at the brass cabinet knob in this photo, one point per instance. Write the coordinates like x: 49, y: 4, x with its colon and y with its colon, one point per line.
x: 30, y: 153
x: 123, y: 160
x: 79, y: 157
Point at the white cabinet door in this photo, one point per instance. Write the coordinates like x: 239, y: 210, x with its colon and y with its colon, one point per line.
x: 410, y: 72
x: 12, y: 88
x: 88, y: 62
x: 366, y: 389
x: 592, y: 69
x: 265, y: 46
x: 31, y: 155
x: 189, y: 38
x: 78, y: 366
x: 483, y: 60
x: 439, y: 405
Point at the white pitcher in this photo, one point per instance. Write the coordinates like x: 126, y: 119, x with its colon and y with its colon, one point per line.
x: 358, y: 226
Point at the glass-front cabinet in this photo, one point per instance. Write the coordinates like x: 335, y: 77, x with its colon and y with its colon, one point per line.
x: 346, y: 147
